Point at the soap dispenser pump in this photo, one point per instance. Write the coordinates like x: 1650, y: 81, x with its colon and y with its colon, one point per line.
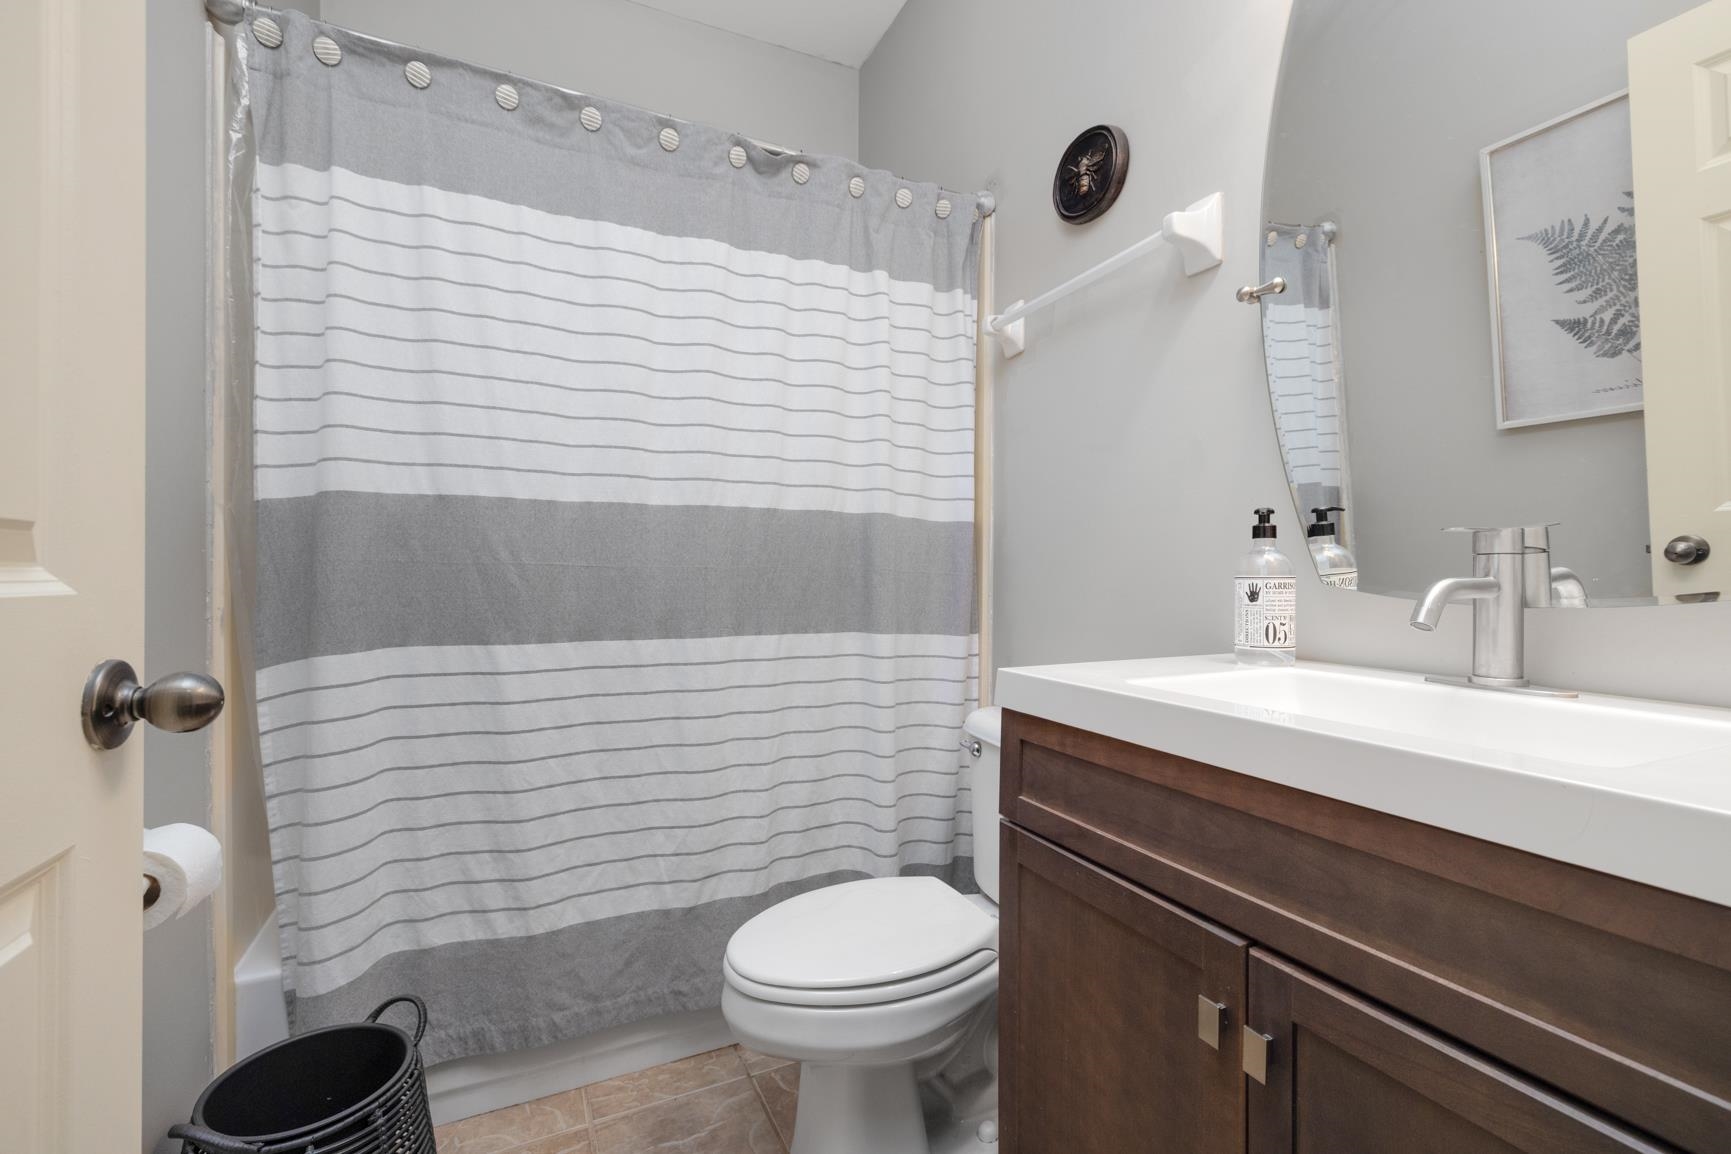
x: 1265, y: 600
x: 1334, y: 564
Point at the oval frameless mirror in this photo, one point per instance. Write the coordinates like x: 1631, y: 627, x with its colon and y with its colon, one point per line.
x: 1450, y: 199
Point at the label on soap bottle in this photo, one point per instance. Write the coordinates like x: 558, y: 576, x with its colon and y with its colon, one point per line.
x: 1344, y: 579
x: 1267, y: 611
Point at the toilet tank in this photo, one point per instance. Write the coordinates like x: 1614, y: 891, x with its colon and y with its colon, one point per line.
x: 985, y: 727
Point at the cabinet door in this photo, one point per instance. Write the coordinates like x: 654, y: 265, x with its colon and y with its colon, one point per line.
x: 1347, y: 1077
x: 1101, y: 1014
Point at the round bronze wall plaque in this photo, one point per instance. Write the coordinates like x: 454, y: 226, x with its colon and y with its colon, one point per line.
x: 1091, y: 174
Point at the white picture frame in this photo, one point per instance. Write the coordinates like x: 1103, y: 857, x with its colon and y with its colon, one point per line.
x: 1558, y: 212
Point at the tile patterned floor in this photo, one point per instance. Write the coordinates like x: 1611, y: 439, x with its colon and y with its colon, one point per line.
x: 728, y: 1101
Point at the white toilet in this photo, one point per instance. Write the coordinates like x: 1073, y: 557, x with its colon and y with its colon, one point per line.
x: 873, y: 984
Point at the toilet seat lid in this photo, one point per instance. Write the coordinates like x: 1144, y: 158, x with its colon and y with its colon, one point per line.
x: 861, y: 934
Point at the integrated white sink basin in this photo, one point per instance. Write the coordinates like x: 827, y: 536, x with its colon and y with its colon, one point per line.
x: 1584, y: 731
x: 1639, y: 789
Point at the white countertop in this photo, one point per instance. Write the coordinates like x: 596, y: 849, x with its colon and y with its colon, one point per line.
x: 1638, y: 789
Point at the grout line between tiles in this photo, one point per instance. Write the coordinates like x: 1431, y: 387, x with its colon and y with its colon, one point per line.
x: 664, y: 1101
x: 591, y: 1123
x: 589, y: 1134
x: 768, y: 1113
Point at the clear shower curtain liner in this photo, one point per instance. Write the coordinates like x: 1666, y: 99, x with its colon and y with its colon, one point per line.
x: 604, y: 511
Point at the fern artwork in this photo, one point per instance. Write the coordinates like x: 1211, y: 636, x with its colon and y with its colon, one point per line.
x: 1560, y: 242
x: 1595, y: 265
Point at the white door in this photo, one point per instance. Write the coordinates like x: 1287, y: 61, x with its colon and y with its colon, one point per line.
x: 71, y: 567
x: 1680, y: 105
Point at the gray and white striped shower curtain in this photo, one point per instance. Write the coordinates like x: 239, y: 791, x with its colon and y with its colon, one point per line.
x: 614, y: 497
x: 1306, y: 373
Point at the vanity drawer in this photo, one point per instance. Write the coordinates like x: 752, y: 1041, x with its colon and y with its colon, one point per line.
x: 1615, y: 992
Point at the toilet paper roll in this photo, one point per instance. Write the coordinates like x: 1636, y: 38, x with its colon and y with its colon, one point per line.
x: 186, y: 861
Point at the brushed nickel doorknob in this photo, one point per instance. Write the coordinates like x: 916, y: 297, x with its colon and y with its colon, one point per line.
x: 113, y: 701
x: 1687, y: 550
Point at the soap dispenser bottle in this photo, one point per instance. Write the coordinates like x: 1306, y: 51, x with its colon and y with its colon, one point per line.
x: 1334, y: 564
x: 1265, y: 600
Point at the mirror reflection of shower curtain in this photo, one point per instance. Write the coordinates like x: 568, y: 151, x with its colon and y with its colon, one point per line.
x: 1306, y: 371
x: 613, y: 489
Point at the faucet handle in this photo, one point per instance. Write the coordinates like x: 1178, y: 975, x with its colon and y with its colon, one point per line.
x: 1488, y: 541
x: 1538, y: 537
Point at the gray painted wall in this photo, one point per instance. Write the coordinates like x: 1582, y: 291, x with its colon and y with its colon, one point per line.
x: 627, y: 52
x: 177, y: 956
x: 1379, y: 129
x: 178, y: 979
x: 1134, y: 435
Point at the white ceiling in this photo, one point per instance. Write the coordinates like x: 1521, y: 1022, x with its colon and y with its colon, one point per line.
x: 844, y: 31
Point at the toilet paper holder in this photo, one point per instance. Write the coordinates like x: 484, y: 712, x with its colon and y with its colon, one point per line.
x: 181, y: 867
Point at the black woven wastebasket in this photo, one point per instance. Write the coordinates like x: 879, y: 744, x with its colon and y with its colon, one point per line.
x: 356, y: 1089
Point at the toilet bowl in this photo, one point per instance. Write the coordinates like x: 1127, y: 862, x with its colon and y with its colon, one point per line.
x: 868, y: 984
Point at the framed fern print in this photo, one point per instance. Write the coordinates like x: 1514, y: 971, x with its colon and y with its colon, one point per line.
x: 1560, y: 248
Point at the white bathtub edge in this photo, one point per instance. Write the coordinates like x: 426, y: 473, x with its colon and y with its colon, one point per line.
x: 475, y: 1085
x: 260, y: 1018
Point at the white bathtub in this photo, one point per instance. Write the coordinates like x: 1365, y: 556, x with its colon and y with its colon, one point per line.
x: 474, y: 1085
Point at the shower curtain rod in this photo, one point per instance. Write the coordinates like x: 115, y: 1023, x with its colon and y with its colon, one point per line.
x: 234, y: 11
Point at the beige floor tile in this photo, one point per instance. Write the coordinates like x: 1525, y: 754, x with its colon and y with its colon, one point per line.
x: 556, y: 1113
x: 506, y: 1129
x: 481, y: 1134
x: 780, y: 1090
x: 756, y: 1063
x: 724, y: 1119
x: 658, y: 1084
x: 570, y: 1142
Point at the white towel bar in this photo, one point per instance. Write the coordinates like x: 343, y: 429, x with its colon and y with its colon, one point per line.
x: 1197, y: 232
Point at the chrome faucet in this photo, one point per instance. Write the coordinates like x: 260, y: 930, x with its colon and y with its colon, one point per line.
x: 1498, y: 592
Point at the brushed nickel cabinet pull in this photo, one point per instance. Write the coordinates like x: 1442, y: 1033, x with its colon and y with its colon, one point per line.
x: 1256, y: 1054
x: 1210, y: 1020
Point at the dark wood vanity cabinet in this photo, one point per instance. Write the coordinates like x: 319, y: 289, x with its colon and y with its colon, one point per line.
x: 1407, y: 990
x: 1098, y: 1037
